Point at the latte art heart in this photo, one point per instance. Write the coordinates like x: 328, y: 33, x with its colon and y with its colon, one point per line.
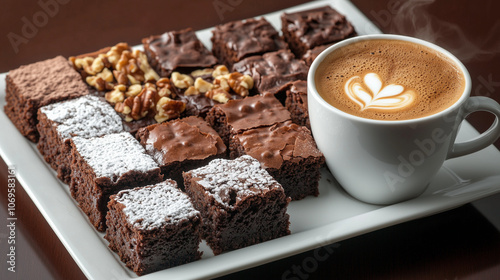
x: 377, y: 96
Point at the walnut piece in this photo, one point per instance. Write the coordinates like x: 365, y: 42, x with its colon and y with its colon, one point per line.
x: 239, y: 83
x: 202, y: 72
x: 167, y: 109
x: 181, y: 80
x: 202, y: 85
x: 219, y: 95
x: 219, y: 71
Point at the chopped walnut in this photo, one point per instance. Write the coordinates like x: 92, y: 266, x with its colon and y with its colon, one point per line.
x: 181, y: 80
x: 137, y: 107
x: 202, y: 85
x: 164, y: 88
x: 222, y: 82
x: 167, y: 109
x: 191, y: 91
x: 219, y: 95
x: 116, y: 95
x: 102, y: 81
x: 202, y: 72
x: 240, y: 83
x: 219, y: 71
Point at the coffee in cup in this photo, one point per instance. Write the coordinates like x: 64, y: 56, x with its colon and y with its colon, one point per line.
x: 389, y: 80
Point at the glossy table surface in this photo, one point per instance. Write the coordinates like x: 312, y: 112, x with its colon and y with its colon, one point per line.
x: 463, y: 243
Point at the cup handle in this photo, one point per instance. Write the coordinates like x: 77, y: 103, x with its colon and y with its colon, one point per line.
x: 473, y: 104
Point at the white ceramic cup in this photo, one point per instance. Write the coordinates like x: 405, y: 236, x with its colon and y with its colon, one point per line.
x: 385, y: 162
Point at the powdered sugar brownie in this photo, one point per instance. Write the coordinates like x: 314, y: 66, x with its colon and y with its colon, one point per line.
x: 86, y: 117
x: 240, y: 203
x: 102, y: 166
x: 162, y: 218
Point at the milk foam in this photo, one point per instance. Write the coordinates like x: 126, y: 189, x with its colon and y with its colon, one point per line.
x: 389, y: 80
x: 390, y: 97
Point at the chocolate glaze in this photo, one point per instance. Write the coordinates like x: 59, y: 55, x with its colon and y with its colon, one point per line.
x: 254, y: 111
x: 318, y: 26
x: 177, y: 51
x: 249, y: 37
x: 273, y: 145
x: 273, y: 71
x: 184, y: 139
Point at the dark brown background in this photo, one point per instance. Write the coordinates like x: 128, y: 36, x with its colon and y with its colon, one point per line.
x: 458, y: 244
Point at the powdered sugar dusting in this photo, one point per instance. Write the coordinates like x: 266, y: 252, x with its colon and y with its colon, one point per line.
x: 153, y: 206
x: 113, y: 155
x: 230, y: 180
x: 87, y: 116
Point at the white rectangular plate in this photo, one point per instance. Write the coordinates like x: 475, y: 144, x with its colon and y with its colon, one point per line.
x: 315, y: 221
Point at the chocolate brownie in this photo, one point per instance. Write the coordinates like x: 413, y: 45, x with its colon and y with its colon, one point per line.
x: 87, y: 116
x: 296, y: 103
x: 311, y: 55
x: 32, y: 86
x: 288, y: 152
x: 273, y: 72
x: 181, y: 145
x: 178, y: 51
x: 103, y: 166
x: 153, y: 228
x: 237, y: 116
x: 240, y: 203
x: 305, y: 30
x: 204, y: 88
x: 236, y: 40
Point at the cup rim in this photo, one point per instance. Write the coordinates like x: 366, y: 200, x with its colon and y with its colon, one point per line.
x: 311, y: 83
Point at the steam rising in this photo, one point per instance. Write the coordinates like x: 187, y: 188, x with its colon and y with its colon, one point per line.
x: 413, y: 19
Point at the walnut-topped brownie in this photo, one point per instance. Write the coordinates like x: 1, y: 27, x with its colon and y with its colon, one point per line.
x: 32, y: 86
x: 102, y: 166
x: 240, y: 203
x: 234, y: 41
x: 179, y: 51
x: 296, y: 103
x: 181, y: 145
x: 87, y: 116
x: 237, y: 116
x: 153, y: 228
x: 204, y: 88
x: 305, y: 30
x: 273, y: 72
x: 127, y: 81
x: 288, y: 152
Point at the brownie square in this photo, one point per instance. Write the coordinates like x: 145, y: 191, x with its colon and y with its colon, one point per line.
x: 153, y: 227
x: 103, y: 166
x: 305, y: 30
x: 288, y: 152
x: 181, y: 145
x: 237, y: 116
x: 234, y: 41
x: 240, y: 203
x: 87, y: 116
x: 273, y: 72
x: 178, y: 51
x: 296, y: 103
x: 32, y: 86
